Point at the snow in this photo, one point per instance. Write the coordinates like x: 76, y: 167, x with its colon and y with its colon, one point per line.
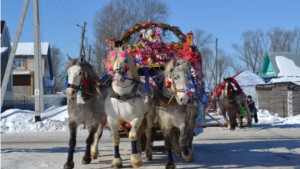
x: 287, y: 67
x: 56, y: 119
x: 247, y: 78
x: 27, y: 48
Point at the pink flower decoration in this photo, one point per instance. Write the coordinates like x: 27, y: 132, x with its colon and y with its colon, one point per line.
x: 123, y: 54
x: 112, y: 54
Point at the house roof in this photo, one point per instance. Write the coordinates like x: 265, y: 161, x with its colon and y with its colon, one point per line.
x: 281, y: 64
x: 247, y: 78
x: 27, y: 48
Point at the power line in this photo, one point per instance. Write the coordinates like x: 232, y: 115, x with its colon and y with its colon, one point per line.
x: 72, y: 25
x: 69, y: 12
x: 70, y: 42
x: 76, y: 10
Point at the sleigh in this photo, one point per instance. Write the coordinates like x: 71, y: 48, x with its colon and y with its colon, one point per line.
x: 151, y: 53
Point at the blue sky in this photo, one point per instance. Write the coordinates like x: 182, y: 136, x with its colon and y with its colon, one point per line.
x: 225, y: 19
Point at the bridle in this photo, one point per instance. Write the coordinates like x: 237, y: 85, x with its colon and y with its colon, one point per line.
x: 82, y: 84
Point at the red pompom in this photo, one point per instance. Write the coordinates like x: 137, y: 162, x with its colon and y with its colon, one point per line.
x: 110, y: 68
x: 168, y: 84
x: 126, y: 68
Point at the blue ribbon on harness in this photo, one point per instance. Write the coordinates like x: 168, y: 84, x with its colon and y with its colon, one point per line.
x: 147, y: 85
x: 104, y: 78
x: 146, y: 73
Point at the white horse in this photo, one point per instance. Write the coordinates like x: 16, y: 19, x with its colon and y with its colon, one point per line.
x: 125, y: 103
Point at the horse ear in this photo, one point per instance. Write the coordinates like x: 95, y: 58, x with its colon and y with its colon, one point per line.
x: 69, y: 59
x: 123, y: 47
x: 81, y: 59
x: 111, y: 48
x: 224, y: 78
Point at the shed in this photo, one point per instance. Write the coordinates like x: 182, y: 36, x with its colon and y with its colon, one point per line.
x: 282, y: 98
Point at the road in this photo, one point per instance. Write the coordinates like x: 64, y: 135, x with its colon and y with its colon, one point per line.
x: 260, y: 146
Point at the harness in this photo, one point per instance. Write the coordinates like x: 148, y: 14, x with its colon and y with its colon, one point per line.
x: 125, y: 97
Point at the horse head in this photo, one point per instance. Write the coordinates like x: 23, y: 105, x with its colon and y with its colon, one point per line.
x: 121, y: 67
x: 229, y: 89
x: 177, y: 80
x: 79, y: 74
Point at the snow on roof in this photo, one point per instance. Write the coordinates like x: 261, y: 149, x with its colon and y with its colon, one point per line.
x: 295, y: 80
x: 287, y: 67
x: 3, y: 49
x: 247, y: 78
x: 27, y: 48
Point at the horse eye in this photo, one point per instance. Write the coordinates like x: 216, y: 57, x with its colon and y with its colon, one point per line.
x: 125, y: 60
x: 176, y: 77
x: 79, y: 73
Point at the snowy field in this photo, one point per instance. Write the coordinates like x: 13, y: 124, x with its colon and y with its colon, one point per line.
x: 56, y: 119
x: 271, y: 143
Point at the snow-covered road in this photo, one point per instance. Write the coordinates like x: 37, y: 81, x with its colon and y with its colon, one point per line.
x: 256, y: 147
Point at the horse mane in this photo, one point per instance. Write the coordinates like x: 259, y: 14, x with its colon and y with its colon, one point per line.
x: 175, y: 65
x: 118, y: 59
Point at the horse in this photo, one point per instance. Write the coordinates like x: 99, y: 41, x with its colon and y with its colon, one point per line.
x: 176, y: 117
x: 85, y: 106
x: 235, y: 105
x: 125, y: 102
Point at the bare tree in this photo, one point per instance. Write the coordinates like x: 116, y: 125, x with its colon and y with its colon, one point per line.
x: 203, y: 40
x: 253, y: 49
x: 281, y: 40
x: 223, y: 64
x: 113, y: 19
x: 297, y: 39
x: 58, y: 64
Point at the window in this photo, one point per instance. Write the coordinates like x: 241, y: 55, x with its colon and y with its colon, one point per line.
x: 20, y: 63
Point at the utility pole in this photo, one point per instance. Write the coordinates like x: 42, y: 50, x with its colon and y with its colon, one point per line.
x: 38, y: 71
x: 89, y: 56
x: 12, y: 53
x: 82, y: 38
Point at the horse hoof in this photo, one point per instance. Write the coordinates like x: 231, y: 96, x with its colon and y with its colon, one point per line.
x: 86, y: 160
x: 136, y: 160
x: 148, y: 155
x: 69, y: 165
x: 189, y: 157
x: 94, y: 156
x: 170, y: 165
x: 177, y: 154
x: 117, y: 162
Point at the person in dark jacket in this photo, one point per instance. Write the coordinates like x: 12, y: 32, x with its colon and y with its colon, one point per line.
x: 252, y: 107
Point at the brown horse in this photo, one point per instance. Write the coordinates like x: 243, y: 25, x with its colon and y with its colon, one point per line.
x: 235, y: 105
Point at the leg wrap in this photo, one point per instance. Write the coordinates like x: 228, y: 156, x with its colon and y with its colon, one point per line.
x: 70, y: 153
x: 117, y: 153
x: 185, y: 150
x: 170, y: 157
x: 88, y: 150
x: 133, y: 147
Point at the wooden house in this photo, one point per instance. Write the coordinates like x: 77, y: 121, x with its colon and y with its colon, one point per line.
x: 281, y: 94
x: 282, y: 98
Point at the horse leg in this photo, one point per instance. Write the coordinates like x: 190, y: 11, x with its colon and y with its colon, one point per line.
x: 187, y: 153
x: 232, y: 119
x: 241, y: 121
x: 150, y: 122
x: 175, y: 142
x: 87, y: 155
x: 97, y: 136
x: 168, y: 146
x: 136, y: 158
x: 72, y: 143
x: 114, y: 127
